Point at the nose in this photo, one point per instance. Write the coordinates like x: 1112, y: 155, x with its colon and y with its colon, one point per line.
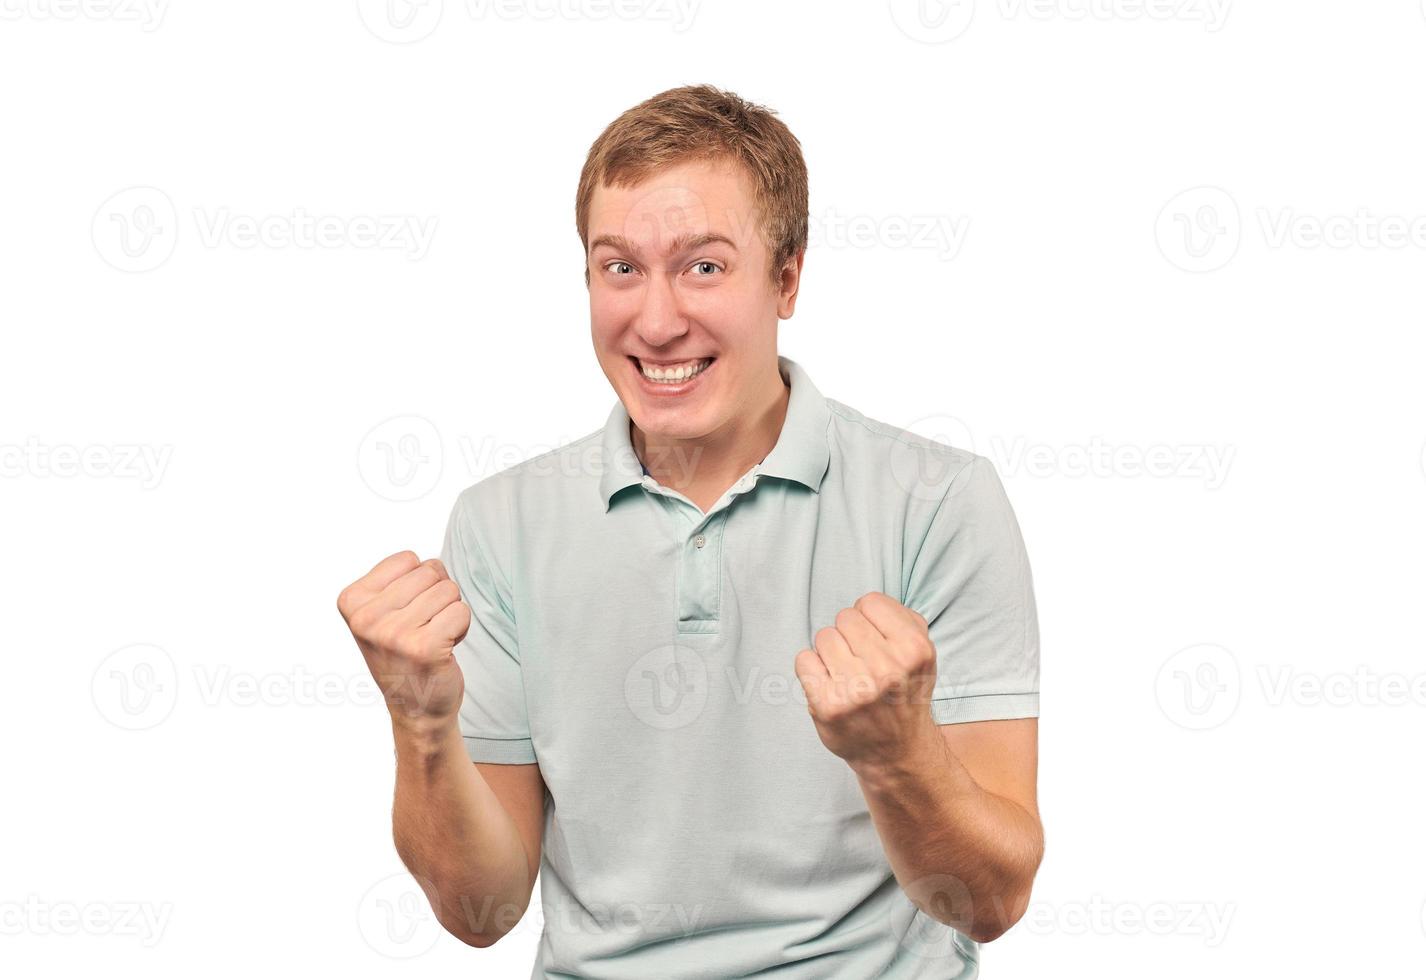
x: 660, y: 318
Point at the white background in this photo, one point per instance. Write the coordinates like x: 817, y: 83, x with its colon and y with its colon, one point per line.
x: 1171, y: 287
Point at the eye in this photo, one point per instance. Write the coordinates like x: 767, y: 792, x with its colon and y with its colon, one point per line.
x: 619, y: 263
x: 706, y: 262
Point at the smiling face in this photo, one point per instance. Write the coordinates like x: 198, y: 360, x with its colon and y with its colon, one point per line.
x: 679, y: 285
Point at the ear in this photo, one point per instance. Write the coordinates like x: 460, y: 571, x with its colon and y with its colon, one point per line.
x: 788, y: 282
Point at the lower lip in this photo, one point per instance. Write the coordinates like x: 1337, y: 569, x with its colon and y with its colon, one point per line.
x: 666, y: 389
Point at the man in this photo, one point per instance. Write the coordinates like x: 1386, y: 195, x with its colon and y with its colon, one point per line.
x: 750, y: 677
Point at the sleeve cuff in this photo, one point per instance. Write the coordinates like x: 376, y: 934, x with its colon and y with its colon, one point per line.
x: 985, y: 707
x: 510, y: 751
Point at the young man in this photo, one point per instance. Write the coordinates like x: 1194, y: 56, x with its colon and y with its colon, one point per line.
x: 755, y: 693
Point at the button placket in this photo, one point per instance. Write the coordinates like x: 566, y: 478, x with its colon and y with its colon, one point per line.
x: 700, y: 583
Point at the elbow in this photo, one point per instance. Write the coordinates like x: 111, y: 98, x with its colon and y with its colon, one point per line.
x: 999, y: 915
x: 462, y: 931
x: 988, y: 932
x: 479, y: 942
x: 480, y: 929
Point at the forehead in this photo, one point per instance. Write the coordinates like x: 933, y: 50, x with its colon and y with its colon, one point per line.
x: 705, y: 197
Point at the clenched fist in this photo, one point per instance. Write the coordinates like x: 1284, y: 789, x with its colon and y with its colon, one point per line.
x: 407, y: 616
x: 869, y: 680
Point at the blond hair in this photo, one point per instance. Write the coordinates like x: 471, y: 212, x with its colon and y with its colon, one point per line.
x: 703, y: 123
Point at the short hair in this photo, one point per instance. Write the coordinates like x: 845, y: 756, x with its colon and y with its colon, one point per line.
x: 703, y: 123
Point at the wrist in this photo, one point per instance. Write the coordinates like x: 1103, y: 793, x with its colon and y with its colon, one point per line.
x: 424, y: 735
x: 924, y: 753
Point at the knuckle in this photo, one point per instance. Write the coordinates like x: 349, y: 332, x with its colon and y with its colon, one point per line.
x: 360, y: 622
x: 923, y: 651
x: 824, y: 636
x: 389, y: 636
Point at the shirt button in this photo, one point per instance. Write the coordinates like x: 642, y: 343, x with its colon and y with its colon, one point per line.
x: 699, y: 541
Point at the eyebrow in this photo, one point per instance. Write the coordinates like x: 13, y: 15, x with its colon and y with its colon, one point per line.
x: 680, y: 243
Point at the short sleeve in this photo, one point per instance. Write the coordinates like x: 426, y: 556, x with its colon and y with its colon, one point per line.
x: 971, y: 580
x: 493, y: 720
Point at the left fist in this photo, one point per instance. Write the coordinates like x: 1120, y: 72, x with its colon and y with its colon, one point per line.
x: 869, y: 680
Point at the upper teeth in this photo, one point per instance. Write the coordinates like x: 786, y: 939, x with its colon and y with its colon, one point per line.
x: 675, y: 372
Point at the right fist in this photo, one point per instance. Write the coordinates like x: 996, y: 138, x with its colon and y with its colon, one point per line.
x: 407, y: 616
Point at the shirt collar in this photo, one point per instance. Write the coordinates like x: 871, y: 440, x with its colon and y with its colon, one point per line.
x: 801, y: 452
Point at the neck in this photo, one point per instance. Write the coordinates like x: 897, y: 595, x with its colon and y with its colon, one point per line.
x: 703, y: 468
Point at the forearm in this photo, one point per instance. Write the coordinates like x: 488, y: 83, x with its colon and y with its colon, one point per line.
x: 455, y: 837
x: 966, y: 857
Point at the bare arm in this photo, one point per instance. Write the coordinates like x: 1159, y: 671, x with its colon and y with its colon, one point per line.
x: 960, y: 824
x: 470, y: 834
x: 954, y: 805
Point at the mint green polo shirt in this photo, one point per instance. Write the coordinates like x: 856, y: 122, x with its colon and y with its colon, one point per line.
x: 641, y: 651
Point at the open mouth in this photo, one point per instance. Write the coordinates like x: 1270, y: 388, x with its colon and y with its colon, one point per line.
x: 673, y: 377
